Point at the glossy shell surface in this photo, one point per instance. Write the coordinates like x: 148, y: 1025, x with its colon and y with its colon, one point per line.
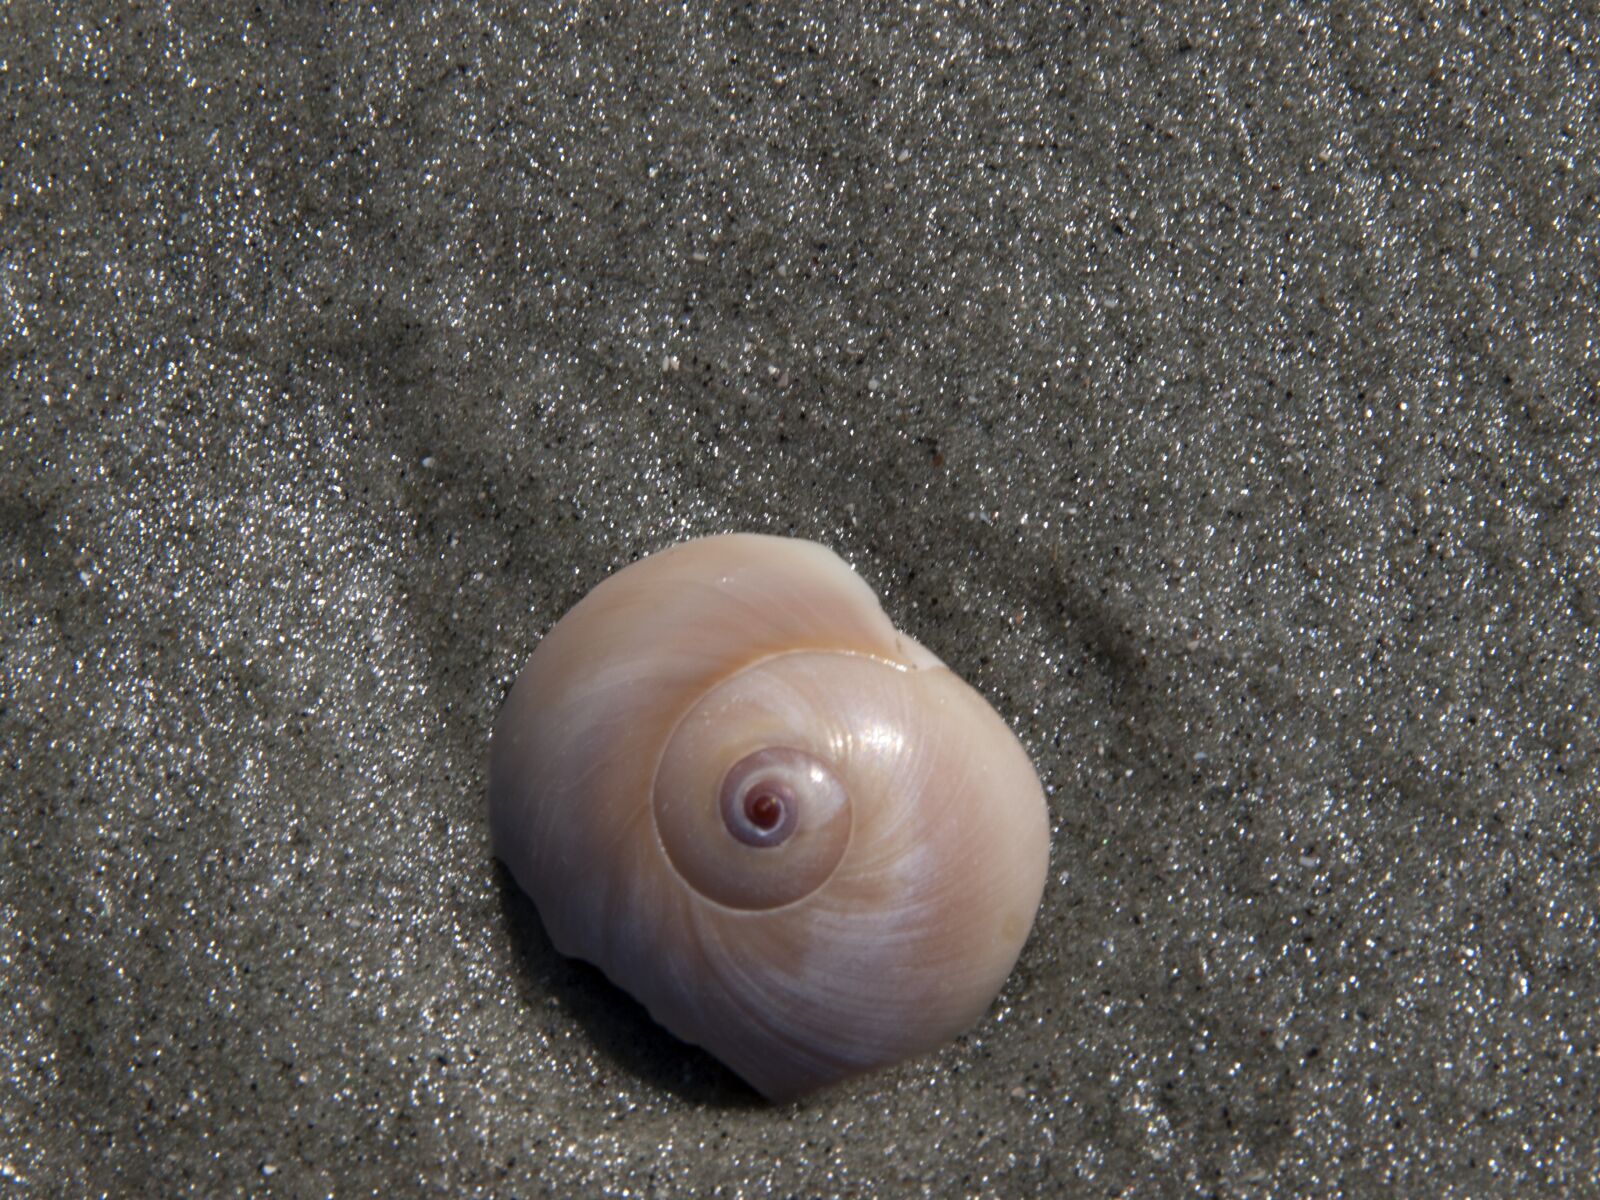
x: 783, y: 826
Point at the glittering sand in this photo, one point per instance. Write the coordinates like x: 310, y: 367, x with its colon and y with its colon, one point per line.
x: 1215, y: 390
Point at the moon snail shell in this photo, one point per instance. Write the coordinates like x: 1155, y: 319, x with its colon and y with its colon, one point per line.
x: 783, y: 826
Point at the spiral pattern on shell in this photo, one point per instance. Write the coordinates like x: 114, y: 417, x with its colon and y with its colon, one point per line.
x: 783, y: 826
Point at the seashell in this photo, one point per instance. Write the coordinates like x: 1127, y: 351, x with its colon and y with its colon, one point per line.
x: 783, y: 826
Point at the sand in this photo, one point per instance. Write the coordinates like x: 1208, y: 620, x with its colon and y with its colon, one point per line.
x: 1215, y: 390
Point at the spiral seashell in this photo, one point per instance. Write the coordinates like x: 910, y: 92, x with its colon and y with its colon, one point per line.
x: 784, y: 827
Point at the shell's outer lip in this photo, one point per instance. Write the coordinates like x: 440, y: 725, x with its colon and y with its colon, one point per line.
x: 655, y: 771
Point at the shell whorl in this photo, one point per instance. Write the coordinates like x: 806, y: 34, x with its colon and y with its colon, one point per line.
x: 749, y: 803
x: 783, y: 826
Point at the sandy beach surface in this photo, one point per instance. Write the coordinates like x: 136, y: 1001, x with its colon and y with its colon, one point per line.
x: 1214, y: 386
